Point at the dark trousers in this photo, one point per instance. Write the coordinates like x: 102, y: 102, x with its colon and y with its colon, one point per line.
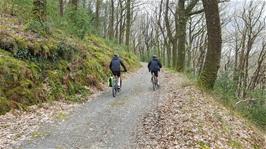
x: 156, y: 73
x: 116, y: 73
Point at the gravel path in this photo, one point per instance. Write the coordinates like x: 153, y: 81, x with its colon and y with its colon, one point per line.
x: 104, y: 122
x: 176, y: 116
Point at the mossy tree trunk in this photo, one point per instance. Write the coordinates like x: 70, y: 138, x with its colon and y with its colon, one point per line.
x: 40, y: 10
x: 181, y: 35
x: 212, y: 61
x: 181, y: 54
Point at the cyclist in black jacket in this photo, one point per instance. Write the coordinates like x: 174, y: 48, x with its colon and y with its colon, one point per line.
x: 154, y: 66
x: 115, y: 67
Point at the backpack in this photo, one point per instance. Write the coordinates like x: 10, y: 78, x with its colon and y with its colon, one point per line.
x: 154, y: 65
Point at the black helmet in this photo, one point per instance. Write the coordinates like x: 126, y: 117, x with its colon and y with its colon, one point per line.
x: 116, y: 55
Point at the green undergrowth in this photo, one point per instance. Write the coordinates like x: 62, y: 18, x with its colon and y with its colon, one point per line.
x: 36, y: 69
x: 254, y: 110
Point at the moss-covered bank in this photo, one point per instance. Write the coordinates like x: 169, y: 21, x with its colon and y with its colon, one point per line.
x: 36, y: 69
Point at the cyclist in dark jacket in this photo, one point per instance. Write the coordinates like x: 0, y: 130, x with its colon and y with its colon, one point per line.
x: 154, y: 66
x: 115, y: 67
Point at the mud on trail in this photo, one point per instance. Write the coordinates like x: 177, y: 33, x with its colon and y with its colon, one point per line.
x: 178, y: 115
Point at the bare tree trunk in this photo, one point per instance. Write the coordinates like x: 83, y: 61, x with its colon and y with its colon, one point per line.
x: 117, y: 22
x: 121, y: 26
x: 170, y: 37
x: 97, y: 15
x: 259, y: 70
x: 111, y: 23
x: 128, y: 22
x: 236, y: 72
x: 184, y: 11
x: 84, y: 3
x: 75, y: 4
x: 212, y: 62
x: 61, y: 7
x: 202, y: 56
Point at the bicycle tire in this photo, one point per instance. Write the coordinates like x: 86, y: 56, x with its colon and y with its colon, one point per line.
x: 153, y: 82
x: 114, y: 88
x: 114, y: 91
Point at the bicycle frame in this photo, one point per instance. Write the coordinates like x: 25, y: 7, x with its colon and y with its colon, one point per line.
x: 115, y: 86
x: 154, y: 82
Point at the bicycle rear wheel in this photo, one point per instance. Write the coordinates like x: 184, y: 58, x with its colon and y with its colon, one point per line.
x: 114, y: 91
x: 153, y: 82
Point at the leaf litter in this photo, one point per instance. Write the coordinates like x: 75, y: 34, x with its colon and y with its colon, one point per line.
x: 190, y: 118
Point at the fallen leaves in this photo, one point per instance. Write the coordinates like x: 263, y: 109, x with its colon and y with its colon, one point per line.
x: 189, y: 118
x: 17, y: 126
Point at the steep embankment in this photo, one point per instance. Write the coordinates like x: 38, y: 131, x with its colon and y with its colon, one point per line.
x: 36, y: 69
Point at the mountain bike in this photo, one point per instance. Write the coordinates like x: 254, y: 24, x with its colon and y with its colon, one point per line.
x: 154, y: 81
x: 115, y: 87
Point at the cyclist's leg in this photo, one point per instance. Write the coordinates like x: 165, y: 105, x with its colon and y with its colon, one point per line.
x: 113, y: 77
x: 115, y: 74
x: 118, y: 73
x: 156, y: 73
x: 152, y: 72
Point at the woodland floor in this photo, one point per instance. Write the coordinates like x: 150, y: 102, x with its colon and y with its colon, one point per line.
x: 178, y: 115
x: 190, y: 118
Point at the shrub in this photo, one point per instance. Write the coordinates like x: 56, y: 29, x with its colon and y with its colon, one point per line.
x: 39, y: 27
x: 4, y: 105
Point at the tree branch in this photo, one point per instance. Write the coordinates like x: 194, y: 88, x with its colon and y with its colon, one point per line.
x: 196, y: 12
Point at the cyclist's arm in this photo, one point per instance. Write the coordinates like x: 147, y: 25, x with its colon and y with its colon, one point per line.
x: 160, y: 64
x: 121, y: 62
x: 110, y: 66
x: 149, y: 65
